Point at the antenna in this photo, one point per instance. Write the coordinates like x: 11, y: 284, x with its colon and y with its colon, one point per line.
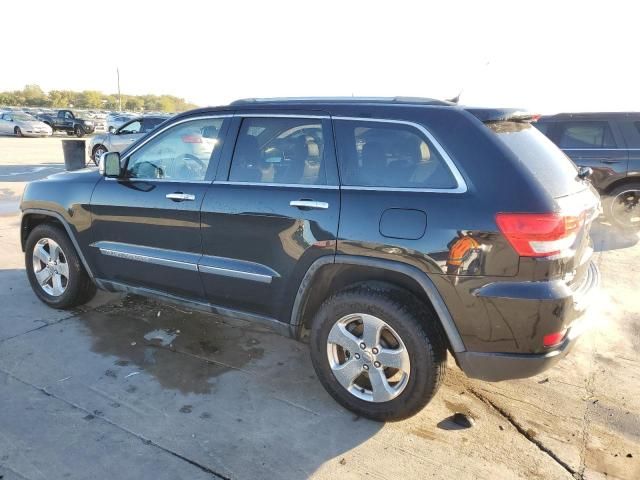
x: 119, y: 96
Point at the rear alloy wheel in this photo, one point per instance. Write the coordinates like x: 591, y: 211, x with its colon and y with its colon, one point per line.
x: 18, y: 132
x: 622, y: 207
x: 54, y: 269
x: 98, y: 151
x: 378, y: 351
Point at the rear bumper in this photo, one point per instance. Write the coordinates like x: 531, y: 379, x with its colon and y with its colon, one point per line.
x: 496, y: 366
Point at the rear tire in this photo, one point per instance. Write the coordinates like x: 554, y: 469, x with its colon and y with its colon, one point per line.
x: 76, y: 289
x: 622, y: 207
x: 406, y: 324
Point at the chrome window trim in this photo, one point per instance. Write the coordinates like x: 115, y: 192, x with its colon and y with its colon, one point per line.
x: 160, y: 180
x: 599, y: 149
x: 266, y: 184
x: 461, y: 184
x: 281, y: 115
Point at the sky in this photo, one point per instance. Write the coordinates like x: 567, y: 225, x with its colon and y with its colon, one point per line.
x: 546, y: 56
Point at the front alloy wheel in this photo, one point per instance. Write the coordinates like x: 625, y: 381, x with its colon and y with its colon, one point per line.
x: 54, y: 269
x: 50, y: 267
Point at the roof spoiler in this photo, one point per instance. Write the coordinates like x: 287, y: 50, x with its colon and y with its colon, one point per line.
x: 503, y: 115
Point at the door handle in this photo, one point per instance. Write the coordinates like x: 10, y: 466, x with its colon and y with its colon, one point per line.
x: 610, y: 160
x: 308, y: 204
x: 181, y: 197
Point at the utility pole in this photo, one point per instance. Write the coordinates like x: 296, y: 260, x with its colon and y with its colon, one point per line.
x: 119, y: 96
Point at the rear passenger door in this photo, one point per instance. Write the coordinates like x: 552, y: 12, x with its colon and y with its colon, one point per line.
x: 271, y: 212
x: 595, y: 144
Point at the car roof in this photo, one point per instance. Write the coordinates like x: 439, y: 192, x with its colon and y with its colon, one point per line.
x: 590, y: 116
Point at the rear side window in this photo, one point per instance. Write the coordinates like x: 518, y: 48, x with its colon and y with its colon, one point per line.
x: 279, y: 150
x: 539, y: 155
x: 149, y: 124
x: 379, y: 154
x: 586, y: 135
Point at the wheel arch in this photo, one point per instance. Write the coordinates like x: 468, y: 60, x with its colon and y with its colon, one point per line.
x: 330, y: 274
x: 620, y: 182
x: 31, y: 218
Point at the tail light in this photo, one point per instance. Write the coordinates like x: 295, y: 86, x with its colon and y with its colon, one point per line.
x: 553, y: 339
x: 192, y: 139
x: 539, y: 234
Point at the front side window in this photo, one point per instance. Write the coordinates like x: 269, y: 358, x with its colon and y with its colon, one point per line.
x: 379, y: 154
x: 279, y: 150
x: 181, y: 153
x: 586, y: 135
x: 133, y: 127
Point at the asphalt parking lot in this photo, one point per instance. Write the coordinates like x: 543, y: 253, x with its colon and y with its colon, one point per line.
x: 128, y: 388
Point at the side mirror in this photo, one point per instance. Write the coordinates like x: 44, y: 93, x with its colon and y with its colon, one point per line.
x: 110, y: 165
x: 112, y: 129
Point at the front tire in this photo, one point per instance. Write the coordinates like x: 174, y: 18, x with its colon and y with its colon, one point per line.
x: 54, y: 269
x: 378, y: 352
x: 18, y: 132
x: 622, y: 207
x: 78, y: 131
x: 98, y: 150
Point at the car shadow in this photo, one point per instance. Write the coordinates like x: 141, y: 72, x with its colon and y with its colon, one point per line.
x: 28, y: 173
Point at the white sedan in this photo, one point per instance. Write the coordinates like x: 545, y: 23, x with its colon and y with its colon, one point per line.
x: 23, y: 125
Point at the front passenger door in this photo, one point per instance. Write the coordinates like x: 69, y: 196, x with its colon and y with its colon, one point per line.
x: 146, y: 225
x: 125, y: 136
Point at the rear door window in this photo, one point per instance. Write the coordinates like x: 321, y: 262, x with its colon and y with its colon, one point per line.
x: 386, y: 154
x: 281, y: 151
x: 586, y: 134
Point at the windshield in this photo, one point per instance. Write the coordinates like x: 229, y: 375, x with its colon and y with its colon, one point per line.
x: 22, y: 116
x: 539, y: 155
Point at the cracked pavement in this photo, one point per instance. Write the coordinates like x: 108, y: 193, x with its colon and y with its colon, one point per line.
x: 129, y: 388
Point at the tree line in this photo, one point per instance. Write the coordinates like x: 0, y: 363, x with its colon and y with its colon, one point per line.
x: 34, y: 96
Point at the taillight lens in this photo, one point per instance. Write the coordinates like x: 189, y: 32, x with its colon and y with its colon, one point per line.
x: 553, y: 339
x: 539, y: 234
x: 192, y: 139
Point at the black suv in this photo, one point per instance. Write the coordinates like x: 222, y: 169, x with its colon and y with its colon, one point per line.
x: 385, y: 231
x: 609, y: 143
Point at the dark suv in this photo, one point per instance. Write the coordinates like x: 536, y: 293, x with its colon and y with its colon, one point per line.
x: 385, y: 231
x: 609, y: 143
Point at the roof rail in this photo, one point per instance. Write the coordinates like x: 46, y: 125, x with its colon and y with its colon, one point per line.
x: 407, y: 100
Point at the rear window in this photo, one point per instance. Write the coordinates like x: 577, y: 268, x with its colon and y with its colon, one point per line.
x: 539, y: 155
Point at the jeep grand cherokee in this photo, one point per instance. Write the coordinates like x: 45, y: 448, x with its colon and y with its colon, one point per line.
x: 386, y: 231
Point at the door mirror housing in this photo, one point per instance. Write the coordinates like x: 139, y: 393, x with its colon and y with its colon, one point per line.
x: 112, y: 129
x: 110, y: 165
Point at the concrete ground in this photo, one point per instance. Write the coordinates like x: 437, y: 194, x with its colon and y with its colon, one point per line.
x: 127, y: 388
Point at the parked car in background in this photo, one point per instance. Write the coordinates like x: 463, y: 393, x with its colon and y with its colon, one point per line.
x: 116, y: 120
x: 66, y: 121
x: 122, y: 137
x: 23, y: 125
x: 608, y: 143
x: 374, y: 227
